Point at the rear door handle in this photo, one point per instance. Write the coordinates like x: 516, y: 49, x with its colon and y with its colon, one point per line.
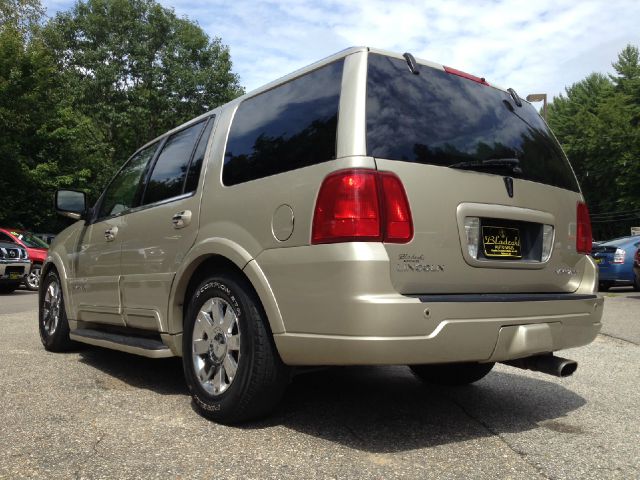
x: 110, y: 234
x: 181, y: 219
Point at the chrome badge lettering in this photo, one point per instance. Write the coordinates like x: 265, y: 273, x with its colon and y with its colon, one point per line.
x: 566, y: 271
x: 415, y: 263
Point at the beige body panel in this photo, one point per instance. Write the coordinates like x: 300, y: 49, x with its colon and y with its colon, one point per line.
x: 152, y: 251
x: 95, y: 286
x: 346, y: 303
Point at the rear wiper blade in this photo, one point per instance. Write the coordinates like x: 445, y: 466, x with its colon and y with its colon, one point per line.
x: 512, y: 163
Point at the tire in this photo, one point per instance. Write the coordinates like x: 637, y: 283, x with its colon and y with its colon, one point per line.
x: 452, y: 373
x: 604, y: 287
x: 52, y: 318
x: 8, y: 287
x: 231, y: 365
x: 636, y: 283
x: 32, y: 281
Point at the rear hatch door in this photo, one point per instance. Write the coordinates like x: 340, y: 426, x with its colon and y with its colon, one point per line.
x: 472, y: 160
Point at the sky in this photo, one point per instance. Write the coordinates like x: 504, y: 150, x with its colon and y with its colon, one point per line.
x: 536, y: 46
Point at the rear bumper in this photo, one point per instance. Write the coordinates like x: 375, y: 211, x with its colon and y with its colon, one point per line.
x: 339, y: 308
x: 526, y: 329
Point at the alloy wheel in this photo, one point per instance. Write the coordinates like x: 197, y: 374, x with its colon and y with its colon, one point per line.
x: 51, y: 307
x: 216, y: 346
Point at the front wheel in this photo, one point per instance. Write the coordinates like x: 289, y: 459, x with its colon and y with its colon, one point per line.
x: 32, y: 282
x: 231, y: 365
x: 53, y: 324
x: 452, y: 373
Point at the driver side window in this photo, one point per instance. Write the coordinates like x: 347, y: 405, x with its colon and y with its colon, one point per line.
x: 120, y: 195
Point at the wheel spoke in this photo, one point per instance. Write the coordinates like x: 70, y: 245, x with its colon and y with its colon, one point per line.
x: 216, y: 311
x: 218, y: 380
x: 233, y: 342
x: 205, y: 322
x: 230, y: 366
x: 228, y: 320
x: 200, y: 347
x: 203, y: 374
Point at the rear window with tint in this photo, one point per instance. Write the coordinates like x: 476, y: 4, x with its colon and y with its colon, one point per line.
x: 289, y: 127
x: 442, y: 119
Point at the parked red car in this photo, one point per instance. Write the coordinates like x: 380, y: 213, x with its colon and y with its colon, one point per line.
x: 36, y: 248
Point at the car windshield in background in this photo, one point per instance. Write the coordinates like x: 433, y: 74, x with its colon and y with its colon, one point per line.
x: 30, y: 240
x: 443, y: 119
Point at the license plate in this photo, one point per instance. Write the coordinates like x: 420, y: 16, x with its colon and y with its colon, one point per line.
x: 598, y: 260
x: 15, y: 276
x: 501, y: 242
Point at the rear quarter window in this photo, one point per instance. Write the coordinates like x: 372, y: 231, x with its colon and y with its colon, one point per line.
x: 289, y: 127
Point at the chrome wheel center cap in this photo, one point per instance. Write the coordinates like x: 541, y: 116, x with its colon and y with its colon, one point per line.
x: 218, y: 347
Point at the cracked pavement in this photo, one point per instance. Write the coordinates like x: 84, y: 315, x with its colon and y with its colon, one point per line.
x: 94, y: 413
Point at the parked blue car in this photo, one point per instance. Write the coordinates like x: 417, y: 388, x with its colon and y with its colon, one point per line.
x: 615, y: 262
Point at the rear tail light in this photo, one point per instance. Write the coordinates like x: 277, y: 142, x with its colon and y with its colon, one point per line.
x: 583, y: 230
x: 362, y: 205
x: 618, y: 257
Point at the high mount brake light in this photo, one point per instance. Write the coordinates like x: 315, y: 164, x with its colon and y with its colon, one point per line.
x: 583, y: 230
x: 466, y: 75
x: 361, y: 205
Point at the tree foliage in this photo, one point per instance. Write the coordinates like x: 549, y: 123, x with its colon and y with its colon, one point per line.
x: 598, y: 124
x: 81, y: 92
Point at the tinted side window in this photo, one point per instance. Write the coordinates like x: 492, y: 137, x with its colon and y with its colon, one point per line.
x: 292, y: 126
x: 170, y: 169
x: 120, y: 195
x: 198, y: 158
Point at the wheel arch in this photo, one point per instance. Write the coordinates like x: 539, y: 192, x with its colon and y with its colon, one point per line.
x: 54, y: 262
x: 218, y: 255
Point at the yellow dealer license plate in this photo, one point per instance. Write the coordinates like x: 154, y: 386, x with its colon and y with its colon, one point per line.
x: 501, y: 242
x: 15, y: 276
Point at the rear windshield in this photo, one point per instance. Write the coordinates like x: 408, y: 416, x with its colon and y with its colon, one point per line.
x: 438, y: 118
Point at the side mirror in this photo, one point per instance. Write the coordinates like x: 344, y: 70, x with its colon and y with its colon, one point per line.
x: 71, y: 203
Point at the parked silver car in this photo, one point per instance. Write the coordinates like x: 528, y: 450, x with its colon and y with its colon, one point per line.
x: 368, y: 209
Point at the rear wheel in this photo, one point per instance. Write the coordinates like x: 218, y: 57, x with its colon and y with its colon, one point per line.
x: 231, y: 365
x: 54, y: 327
x: 8, y: 287
x: 32, y: 282
x: 636, y: 283
x: 452, y: 373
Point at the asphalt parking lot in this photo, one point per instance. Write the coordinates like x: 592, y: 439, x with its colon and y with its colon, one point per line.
x: 95, y: 413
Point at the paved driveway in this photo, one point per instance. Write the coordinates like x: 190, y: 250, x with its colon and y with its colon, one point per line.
x: 94, y: 413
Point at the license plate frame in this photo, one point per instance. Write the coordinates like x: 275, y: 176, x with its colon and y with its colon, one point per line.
x: 501, y: 243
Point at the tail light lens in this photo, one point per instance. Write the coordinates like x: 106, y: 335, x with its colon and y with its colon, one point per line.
x: 583, y: 231
x: 362, y: 205
x: 619, y: 255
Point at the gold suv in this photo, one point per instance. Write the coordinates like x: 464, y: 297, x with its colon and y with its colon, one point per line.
x: 368, y: 209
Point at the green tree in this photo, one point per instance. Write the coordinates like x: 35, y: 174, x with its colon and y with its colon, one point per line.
x: 597, y: 123
x: 80, y: 93
x: 138, y: 70
x: 45, y: 144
